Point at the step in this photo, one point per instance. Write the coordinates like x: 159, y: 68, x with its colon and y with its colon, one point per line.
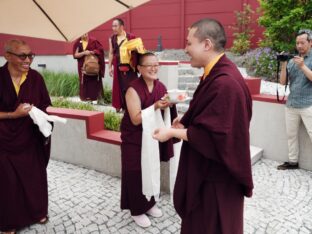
x: 255, y: 154
x: 189, y: 78
x: 182, y: 107
x: 187, y: 86
x: 190, y: 71
x: 190, y: 93
x: 187, y: 67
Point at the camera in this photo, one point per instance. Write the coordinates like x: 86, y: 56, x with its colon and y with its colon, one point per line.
x: 284, y: 56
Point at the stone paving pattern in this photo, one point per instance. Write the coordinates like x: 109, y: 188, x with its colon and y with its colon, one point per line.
x: 86, y: 201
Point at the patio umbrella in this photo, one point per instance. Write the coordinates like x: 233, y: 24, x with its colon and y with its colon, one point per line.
x: 62, y: 20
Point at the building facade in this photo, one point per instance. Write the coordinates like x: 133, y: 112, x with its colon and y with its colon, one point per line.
x: 160, y: 23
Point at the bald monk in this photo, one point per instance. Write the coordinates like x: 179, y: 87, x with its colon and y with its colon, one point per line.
x: 121, y: 79
x: 24, y: 151
x: 214, y: 173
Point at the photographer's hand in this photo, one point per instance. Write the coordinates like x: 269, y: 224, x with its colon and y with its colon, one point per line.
x: 299, y: 61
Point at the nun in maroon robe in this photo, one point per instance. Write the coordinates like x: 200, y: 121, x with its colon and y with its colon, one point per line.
x: 132, y: 197
x: 24, y: 154
x: 214, y: 171
x: 90, y: 87
x: 121, y: 79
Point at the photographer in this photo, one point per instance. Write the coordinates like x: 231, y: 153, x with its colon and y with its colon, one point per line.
x: 299, y: 103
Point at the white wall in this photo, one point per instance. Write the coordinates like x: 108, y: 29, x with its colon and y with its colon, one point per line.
x: 168, y: 74
x: 268, y: 131
x: 70, y: 144
x: 62, y: 63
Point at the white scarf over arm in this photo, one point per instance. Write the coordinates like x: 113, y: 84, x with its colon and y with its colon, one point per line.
x: 150, y: 158
x: 43, y: 120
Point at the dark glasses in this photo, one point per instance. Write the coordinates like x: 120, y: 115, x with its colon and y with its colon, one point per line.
x: 23, y: 56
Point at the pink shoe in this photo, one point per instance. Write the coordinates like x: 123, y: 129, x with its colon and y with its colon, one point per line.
x: 155, y: 212
x: 142, y: 220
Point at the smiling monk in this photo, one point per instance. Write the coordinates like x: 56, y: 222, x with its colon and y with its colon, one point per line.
x: 214, y: 172
x: 24, y: 151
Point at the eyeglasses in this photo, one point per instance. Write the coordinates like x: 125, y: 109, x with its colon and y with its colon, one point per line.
x: 150, y: 66
x: 23, y: 56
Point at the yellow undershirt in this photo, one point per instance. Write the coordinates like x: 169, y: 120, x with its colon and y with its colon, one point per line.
x: 84, y: 44
x: 122, y: 37
x: 18, y: 86
x: 210, y: 65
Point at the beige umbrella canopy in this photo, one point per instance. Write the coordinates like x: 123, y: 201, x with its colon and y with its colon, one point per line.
x: 62, y: 20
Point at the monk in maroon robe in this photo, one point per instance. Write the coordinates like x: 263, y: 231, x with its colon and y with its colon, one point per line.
x: 142, y: 93
x: 24, y: 151
x: 214, y: 172
x: 121, y: 77
x: 90, y: 86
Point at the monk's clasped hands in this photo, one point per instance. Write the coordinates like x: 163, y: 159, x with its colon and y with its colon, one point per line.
x: 22, y: 109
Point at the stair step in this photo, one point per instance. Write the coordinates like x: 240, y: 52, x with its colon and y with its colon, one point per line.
x: 190, y: 93
x: 188, y: 78
x: 190, y: 71
x: 187, y: 67
x: 185, y: 71
x: 187, y: 86
x: 256, y: 154
x: 182, y: 107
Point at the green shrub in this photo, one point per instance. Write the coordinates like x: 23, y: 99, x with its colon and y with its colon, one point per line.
x: 112, y: 121
x: 61, y: 83
x: 242, y: 30
x: 261, y: 62
x: 63, y: 103
x: 107, y: 95
x: 282, y: 19
x: 241, y: 44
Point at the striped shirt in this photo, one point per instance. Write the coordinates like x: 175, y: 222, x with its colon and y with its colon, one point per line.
x: 300, y: 86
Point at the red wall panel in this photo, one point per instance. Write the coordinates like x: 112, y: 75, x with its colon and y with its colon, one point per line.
x: 39, y: 46
x: 216, y: 6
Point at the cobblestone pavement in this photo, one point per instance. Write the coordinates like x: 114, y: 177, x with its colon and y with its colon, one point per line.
x: 86, y: 201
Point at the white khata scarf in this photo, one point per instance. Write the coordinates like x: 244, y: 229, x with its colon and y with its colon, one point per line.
x: 43, y: 120
x: 150, y: 161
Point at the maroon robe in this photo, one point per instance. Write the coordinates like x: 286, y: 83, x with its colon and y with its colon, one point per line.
x: 131, y: 136
x: 90, y: 87
x: 214, y: 171
x: 24, y: 154
x: 121, y: 80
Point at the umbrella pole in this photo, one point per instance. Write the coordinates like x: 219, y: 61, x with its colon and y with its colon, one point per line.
x: 124, y: 4
x: 52, y: 22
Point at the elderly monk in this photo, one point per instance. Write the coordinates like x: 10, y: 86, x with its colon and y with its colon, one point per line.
x: 214, y: 173
x: 24, y: 151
